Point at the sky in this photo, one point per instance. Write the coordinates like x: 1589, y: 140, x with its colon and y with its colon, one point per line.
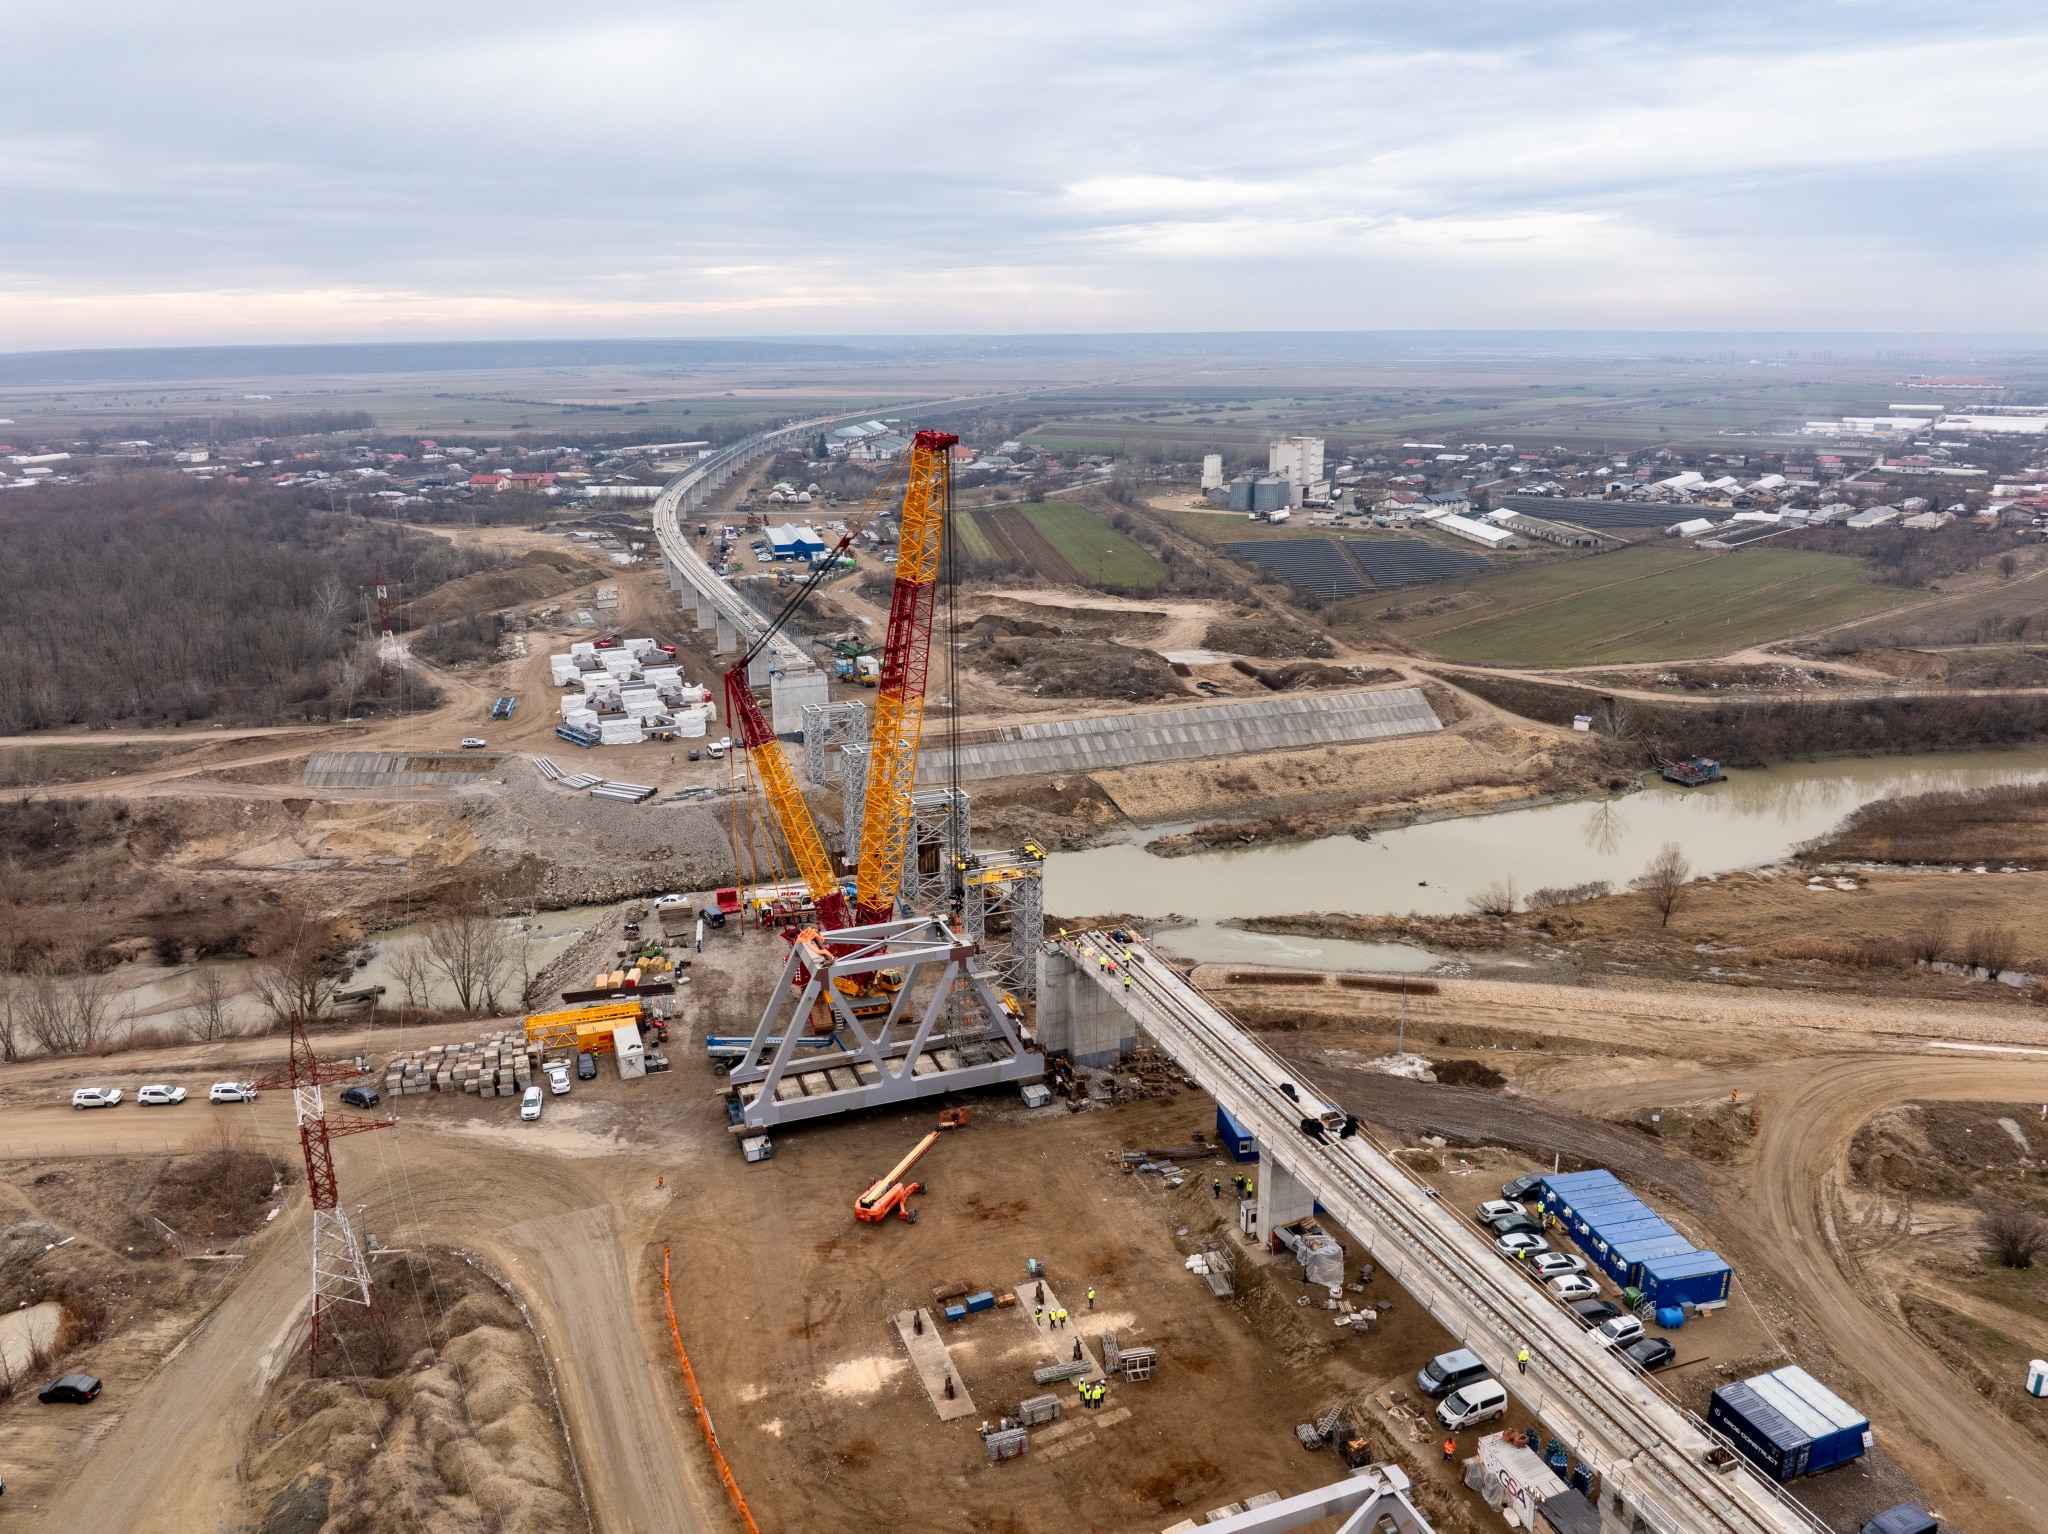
x: 233, y: 172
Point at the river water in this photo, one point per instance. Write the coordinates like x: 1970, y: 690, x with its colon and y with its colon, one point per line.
x: 1754, y: 817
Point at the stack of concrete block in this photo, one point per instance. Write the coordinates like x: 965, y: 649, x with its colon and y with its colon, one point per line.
x: 496, y: 1065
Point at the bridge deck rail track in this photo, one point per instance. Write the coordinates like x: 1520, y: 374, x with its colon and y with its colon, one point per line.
x: 1647, y: 1450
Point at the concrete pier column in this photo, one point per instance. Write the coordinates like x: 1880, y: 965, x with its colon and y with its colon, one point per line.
x: 675, y: 576
x: 1283, y: 1197
x: 707, y: 613
x: 1077, y: 1016
x: 757, y: 669
x: 728, y: 640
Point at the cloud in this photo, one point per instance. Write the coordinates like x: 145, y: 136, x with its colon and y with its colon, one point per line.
x: 636, y: 168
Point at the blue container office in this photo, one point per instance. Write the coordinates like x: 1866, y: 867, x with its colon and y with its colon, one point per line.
x: 1234, y: 1137
x: 1788, y: 1423
x: 1630, y: 1242
x: 1686, y: 1278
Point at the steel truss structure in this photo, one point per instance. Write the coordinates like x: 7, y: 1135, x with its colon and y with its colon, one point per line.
x: 853, y: 794
x: 947, y: 1030
x: 827, y: 725
x: 937, y: 841
x: 1002, y: 910
x: 1373, y: 1498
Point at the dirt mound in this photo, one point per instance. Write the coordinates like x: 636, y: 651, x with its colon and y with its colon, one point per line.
x: 531, y: 578
x: 446, y: 1422
x: 1002, y: 626
x: 1266, y: 638
x: 1949, y: 1149
x: 1077, y: 668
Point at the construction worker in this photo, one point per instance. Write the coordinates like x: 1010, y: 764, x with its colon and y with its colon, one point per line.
x: 1127, y: 982
x: 1216, y: 1183
x: 1091, y: 1296
x: 1522, y: 1360
x: 1450, y: 1451
x: 1038, y: 1314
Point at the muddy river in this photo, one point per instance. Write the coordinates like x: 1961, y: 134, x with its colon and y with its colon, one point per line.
x: 1755, y: 817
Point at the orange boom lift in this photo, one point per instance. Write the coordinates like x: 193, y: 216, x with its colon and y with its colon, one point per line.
x: 889, y: 1193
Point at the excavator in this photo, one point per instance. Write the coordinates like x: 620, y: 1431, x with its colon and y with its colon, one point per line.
x: 893, y: 743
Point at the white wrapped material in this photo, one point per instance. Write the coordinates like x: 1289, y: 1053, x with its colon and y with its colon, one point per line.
x: 690, y: 725
x: 583, y: 647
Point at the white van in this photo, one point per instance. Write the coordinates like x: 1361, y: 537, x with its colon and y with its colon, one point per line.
x: 1470, y: 1405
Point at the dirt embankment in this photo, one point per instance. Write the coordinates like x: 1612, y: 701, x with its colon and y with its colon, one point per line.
x: 1468, y: 769
x: 444, y: 1421
x: 532, y: 577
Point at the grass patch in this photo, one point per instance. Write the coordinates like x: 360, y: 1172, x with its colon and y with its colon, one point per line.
x: 1649, y: 603
x: 1094, y: 548
x: 972, y: 539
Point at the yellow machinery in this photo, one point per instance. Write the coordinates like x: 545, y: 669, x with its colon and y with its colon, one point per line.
x: 588, y: 1030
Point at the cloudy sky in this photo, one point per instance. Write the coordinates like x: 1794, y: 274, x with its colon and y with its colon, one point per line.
x: 448, y: 168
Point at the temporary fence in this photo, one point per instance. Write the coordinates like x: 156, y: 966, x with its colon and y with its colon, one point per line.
x: 697, y: 1400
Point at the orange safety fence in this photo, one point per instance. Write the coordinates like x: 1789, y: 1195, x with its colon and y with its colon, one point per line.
x: 697, y: 1400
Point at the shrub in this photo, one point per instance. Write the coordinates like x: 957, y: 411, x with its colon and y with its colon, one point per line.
x: 2015, y: 1236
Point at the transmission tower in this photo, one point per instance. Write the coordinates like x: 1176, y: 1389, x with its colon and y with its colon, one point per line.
x: 341, y: 1276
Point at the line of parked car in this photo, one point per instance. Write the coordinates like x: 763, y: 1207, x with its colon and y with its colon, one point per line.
x: 161, y: 1095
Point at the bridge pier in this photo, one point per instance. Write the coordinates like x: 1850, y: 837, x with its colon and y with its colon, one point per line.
x: 1076, y: 1016
x: 728, y: 637
x: 707, y: 612
x: 1283, y: 1197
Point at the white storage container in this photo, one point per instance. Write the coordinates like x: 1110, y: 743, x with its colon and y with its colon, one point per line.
x: 583, y: 647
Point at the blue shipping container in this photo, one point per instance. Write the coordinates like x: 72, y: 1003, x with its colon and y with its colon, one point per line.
x: 1852, y: 1429
x: 1235, y: 1137
x: 1630, y: 1232
x: 1686, y: 1278
x: 1630, y: 1256
x: 1774, y: 1445
x: 1591, y: 1205
x: 1832, y: 1443
x: 1586, y: 1217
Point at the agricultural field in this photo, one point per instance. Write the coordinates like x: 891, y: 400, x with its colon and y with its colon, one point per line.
x: 1647, y: 603
x: 1065, y: 542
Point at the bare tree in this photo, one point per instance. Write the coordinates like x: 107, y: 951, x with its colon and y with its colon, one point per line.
x: 210, y: 1015
x: 415, y: 975
x: 67, y: 1017
x: 473, y: 950
x: 2016, y: 1236
x: 292, y: 983
x: 1666, y: 881
x: 1497, y: 899
x: 1991, y: 948
x: 1931, y: 941
x: 11, y: 1031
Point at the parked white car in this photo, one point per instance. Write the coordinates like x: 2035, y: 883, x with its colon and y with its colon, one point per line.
x: 231, y: 1092
x: 160, y: 1096
x: 1497, y: 1209
x: 1552, y: 1264
x: 1619, y: 1331
x: 529, y: 1104
x: 558, y: 1078
x: 1510, y: 1246
x: 1573, y: 1286
x: 95, y: 1097
x: 473, y: 743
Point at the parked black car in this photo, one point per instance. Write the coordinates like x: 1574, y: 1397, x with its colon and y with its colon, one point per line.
x: 1520, y: 1188
x: 586, y: 1066
x: 1592, y: 1312
x: 360, y: 1097
x: 1651, y: 1352
x: 72, y: 1390
x: 1514, y: 1225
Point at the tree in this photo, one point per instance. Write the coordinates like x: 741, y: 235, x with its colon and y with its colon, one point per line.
x: 1666, y: 882
x: 292, y: 983
x: 415, y: 976
x: 209, y: 1015
x: 2015, y: 1235
x: 10, y: 1021
x: 1497, y: 899
x: 66, y: 1016
x: 472, y: 949
x: 2007, y: 564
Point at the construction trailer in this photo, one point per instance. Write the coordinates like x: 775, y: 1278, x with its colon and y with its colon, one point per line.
x: 947, y: 1029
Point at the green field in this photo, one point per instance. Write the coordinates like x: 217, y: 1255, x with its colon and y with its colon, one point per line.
x: 972, y: 539
x: 1098, y: 551
x: 1645, y: 604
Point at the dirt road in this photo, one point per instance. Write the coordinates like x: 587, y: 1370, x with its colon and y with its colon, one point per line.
x: 169, y: 1462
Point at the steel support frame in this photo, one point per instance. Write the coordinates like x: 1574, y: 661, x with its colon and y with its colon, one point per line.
x: 939, y: 818
x: 1366, y: 1501
x: 919, y: 946
x: 827, y: 725
x: 1010, y: 887
x: 853, y: 795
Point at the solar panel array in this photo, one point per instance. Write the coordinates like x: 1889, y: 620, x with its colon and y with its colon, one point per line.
x: 1314, y: 565
x: 1412, y: 561
x: 1592, y: 511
